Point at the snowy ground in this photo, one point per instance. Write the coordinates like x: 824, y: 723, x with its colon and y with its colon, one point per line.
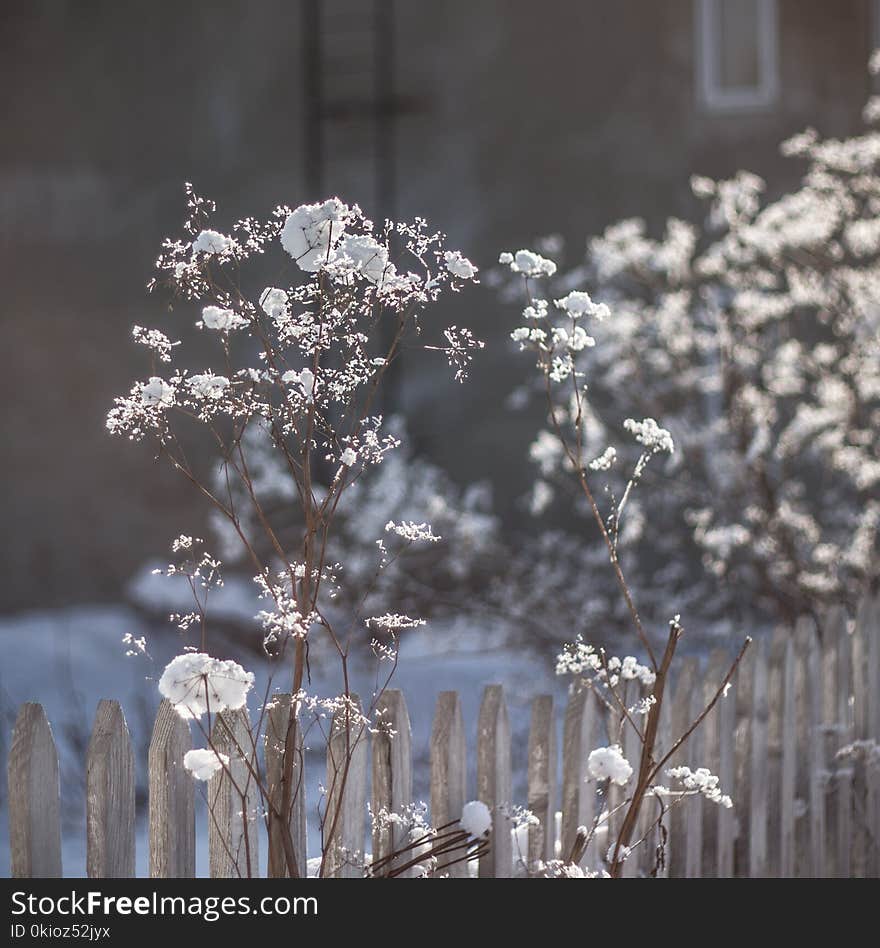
x: 69, y: 659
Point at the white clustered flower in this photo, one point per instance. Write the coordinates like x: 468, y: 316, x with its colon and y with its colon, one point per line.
x: 209, y: 385
x: 476, y: 820
x: 630, y: 669
x: 608, y: 763
x: 195, y: 683
x: 155, y: 340
x: 650, y: 434
x: 204, y: 763
x: 604, y: 461
x: 528, y: 263
x: 459, y: 265
x: 392, y: 622
x: 312, y: 231
x: 157, y: 392
x: 348, y: 457
x: 578, y: 304
x: 274, y: 302
x: 304, y: 380
x: 701, y: 781
x: 412, y: 531
x: 210, y: 242
x: 223, y: 320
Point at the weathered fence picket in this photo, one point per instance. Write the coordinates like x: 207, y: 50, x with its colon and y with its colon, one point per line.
x: 448, y: 767
x: 760, y: 767
x: 693, y: 845
x: 34, y: 797
x: 233, y: 800
x: 172, y: 799
x: 494, y: 780
x: 680, y: 699
x: 344, y: 823
x: 392, y: 776
x: 110, y: 796
x: 285, y: 786
x: 542, y: 780
x: 788, y: 776
x: 794, y: 741
x: 808, y: 644
x: 579, y: 737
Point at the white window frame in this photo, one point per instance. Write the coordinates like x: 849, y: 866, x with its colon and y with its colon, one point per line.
x: 875, y: 40
x: 712, y: 95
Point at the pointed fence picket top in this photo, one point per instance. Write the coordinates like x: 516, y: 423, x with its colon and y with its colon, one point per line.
x: 542, y: 780
x: 494, y: 780
x: 344, y: 818
x: 579, y: 737
x: 285, y: 789
x: 172, y: 797
x: 233, y: 800
x: 448, y: 768
x: 34, y: 797
x: 392, y: 777
x: 110, y: 796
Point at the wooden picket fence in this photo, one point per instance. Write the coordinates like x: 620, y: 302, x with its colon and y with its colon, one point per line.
x: 800, y: 808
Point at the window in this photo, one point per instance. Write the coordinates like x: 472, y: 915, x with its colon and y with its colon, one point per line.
x: 737, y: 54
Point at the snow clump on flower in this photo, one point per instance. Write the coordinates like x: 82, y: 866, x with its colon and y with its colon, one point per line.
x: 476, y: 820
x: 312, y: 231
x: 209, y: 385
x: 578, y: 303
x: 157, y: 392
x: 608, y: 763
x: 528, y: 263
x: 650, y: 434
x: 274, y: 302
x: 195, y: 683
x: 210, y: 242
x: 204, y: 763
x: 223, y: 320
x: 459, y: 265
x: 366, y: 256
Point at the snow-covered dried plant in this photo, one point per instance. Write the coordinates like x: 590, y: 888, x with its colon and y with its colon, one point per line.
x: 555, y: 332
x: 286, y: 390
x: 756, y: 335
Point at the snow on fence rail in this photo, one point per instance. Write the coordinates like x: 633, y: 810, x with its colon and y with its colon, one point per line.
x: 801, y: 808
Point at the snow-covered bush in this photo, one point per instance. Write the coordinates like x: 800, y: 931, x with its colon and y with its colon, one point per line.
x: 756, y: 336
x: 287, y: 400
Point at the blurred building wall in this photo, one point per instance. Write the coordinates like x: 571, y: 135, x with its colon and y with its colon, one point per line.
x: 510, y: 120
